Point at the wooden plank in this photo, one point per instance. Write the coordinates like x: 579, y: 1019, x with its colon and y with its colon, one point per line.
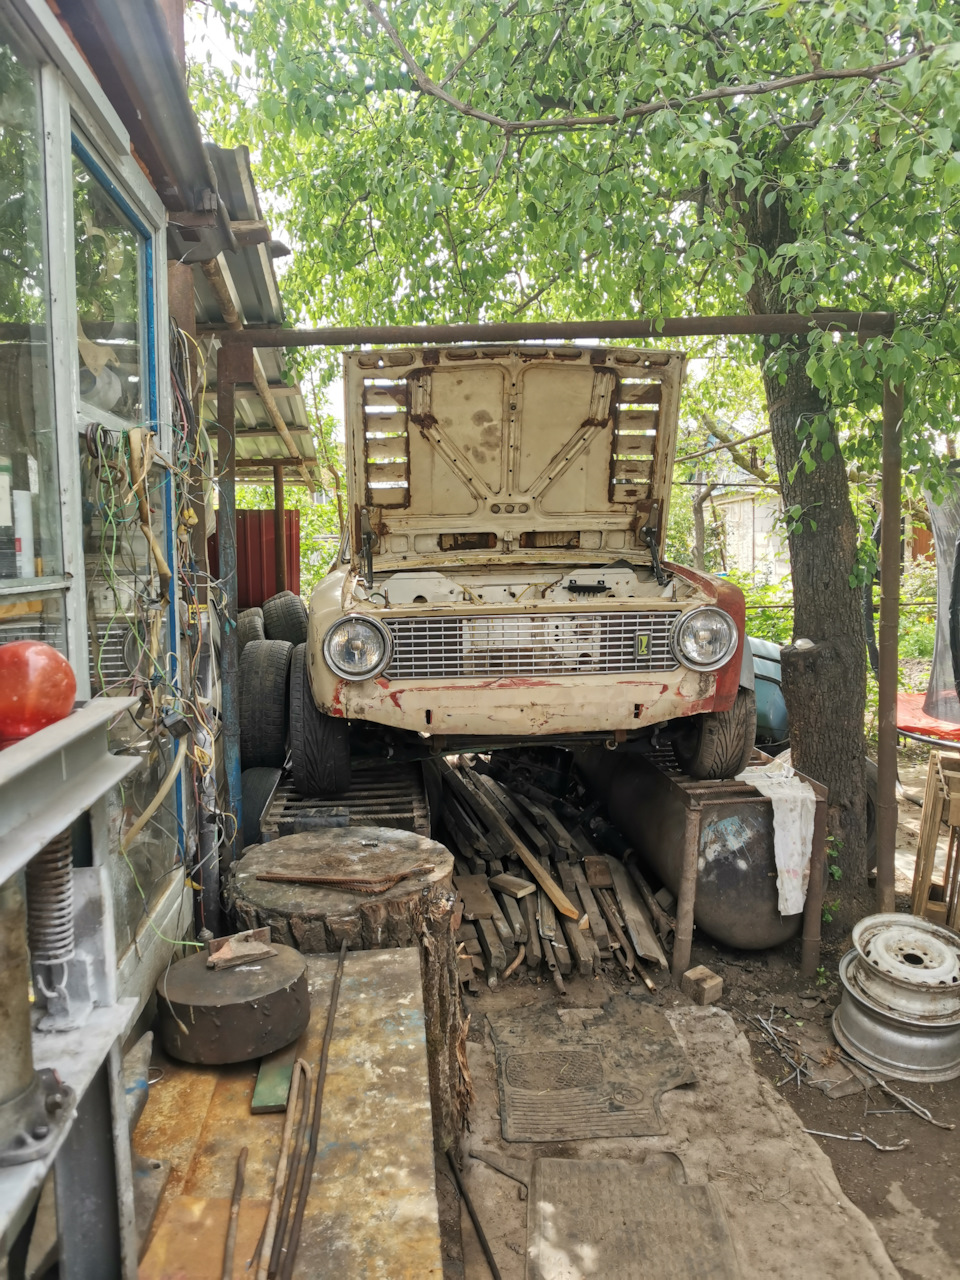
x: 478, y: 901
x: 513, y: 886
x: 598, y: 925
x: 930, y: 817
x: 561, y: 954
x: 581, y: 952
x: 639, y: 927
x: 511, y: 909
x: 492, y: 946
x: 528, y: 909
x: 557, y: 832
x: 273, y: 1081
x: 497, y: 824
x: 597, y: 872
x: 512, y: 810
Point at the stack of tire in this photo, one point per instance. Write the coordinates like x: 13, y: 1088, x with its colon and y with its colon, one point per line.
x: 277, y: 709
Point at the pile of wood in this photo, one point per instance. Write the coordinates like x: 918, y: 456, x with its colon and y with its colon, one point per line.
x: 536, y: 889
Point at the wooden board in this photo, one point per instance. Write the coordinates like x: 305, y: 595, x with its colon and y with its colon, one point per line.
x: 638, y: 923
x: 272, y: 1089
x: 478, y: 901
x: 512, y: 885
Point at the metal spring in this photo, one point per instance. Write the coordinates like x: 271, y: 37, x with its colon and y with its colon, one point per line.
x: 50, y: 929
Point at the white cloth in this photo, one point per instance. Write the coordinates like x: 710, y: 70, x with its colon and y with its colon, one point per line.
x: 794, y: 807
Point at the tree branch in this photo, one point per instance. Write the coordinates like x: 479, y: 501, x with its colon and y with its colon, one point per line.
x: 478, y: 46
x: 641, y: 110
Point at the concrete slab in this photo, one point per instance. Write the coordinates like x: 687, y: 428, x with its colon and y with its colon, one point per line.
x: 372, y: 1212
x: 786, y: 1212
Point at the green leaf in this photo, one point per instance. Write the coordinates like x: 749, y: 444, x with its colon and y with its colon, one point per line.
x: 901, y: 169
x: 942, y: 138
x: 951, y: 170
x: 924, y: 166
x: 827, y: 450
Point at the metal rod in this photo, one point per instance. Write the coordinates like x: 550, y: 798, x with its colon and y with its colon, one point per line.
x: 297, y: 1153
x: 813, y: 904
x: 686, y: 896
x: 286, y: 1270
x: 481, y: 1234
x: 234, y: 364
x: 279, y: 528
x: 299, y: 1083
x: 891, y: 502
x: 230, y: 1244
x: 861, y: 322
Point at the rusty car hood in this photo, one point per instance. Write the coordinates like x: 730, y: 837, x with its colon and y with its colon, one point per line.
x: 510, y: 449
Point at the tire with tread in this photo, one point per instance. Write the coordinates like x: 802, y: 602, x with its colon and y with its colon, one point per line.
x: 256, y: 788
x: 285, y: 618
x: 264, y: 701
x: 719, y: 744
x: 250, y: 627
x: 319, y: 744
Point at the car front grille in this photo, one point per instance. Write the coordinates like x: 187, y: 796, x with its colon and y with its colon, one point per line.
x: 545, y: 644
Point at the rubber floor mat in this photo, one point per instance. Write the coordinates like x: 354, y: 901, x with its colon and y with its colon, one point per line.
x: 606, y: 1219
x: 601, y: 1078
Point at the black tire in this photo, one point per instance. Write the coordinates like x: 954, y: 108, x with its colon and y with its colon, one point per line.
x: 319, y: 744
x: 250, y: 627
x: 719, y: 744
x: 264, y: 672
x: 285, y: 618
x: 257, y: 787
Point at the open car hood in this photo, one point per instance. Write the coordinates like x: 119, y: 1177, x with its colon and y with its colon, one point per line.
x: 506, y: 449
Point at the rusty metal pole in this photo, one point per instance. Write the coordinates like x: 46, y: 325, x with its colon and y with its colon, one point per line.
x: 234, y: 364
x: 686, y: 895
x: 891, y: 505
x: 279, y: 528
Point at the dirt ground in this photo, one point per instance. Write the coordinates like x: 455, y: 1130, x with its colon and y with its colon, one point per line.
x: 909, y: 1194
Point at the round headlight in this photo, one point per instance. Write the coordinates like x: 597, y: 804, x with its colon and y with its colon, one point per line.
x: 705, y: 639
x: 356, y: 648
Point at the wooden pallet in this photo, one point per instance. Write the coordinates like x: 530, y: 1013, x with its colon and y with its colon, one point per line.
x: 939, y: 902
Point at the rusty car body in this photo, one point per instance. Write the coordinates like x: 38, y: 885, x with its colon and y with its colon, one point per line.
x: 501, y: 578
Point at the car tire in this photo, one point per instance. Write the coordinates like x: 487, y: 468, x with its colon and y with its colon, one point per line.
x: 257, y: 787
x: 719, y: 744
x: 250, y: 627
x: 285, y: 618
x: 319, y: 744
x: 264, y: 679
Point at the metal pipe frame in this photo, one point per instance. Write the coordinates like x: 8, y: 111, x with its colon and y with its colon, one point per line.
x: 234, y: 364
x: 864, y: 323
x: 888, y: 644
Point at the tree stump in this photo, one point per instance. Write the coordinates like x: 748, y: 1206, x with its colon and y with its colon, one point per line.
x: 419, y: 909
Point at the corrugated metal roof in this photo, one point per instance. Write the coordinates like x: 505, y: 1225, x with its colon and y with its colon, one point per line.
x: 251, y: 278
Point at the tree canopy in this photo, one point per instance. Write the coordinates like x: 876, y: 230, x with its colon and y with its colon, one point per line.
x: 442, y: 160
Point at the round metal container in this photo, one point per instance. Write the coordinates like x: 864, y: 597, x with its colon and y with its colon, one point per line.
x: 212, y: 1017
x: 907, y: 965
x: 890, y: 1042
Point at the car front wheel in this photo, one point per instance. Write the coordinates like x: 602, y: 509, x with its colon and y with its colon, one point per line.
x: 319, y: 744
x: 718, y: 744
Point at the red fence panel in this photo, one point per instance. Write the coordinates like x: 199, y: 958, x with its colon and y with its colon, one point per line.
x: 256, y: 558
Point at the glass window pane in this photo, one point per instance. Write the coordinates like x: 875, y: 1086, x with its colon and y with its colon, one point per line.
x: 30, y: 544
x: 108, y: 300
x: 32, y: 618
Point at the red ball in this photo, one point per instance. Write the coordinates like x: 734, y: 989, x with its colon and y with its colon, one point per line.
x: 37, y: 687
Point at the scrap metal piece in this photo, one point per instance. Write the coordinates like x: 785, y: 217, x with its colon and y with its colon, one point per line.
x: 478, y: 1226
x: 212, y: 1017
x: 230, y: 1245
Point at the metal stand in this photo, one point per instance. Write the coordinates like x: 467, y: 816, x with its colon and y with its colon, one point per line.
x: 62, y: 1100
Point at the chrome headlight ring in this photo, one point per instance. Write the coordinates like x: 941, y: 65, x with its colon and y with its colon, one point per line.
x: 705, y: 616
x: 377, y: 633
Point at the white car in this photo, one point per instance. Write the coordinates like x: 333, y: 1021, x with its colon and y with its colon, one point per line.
x: 501, y: 580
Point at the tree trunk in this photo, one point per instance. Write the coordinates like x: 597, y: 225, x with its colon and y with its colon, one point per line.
x: 700, y: 527
x: 824, y: 686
